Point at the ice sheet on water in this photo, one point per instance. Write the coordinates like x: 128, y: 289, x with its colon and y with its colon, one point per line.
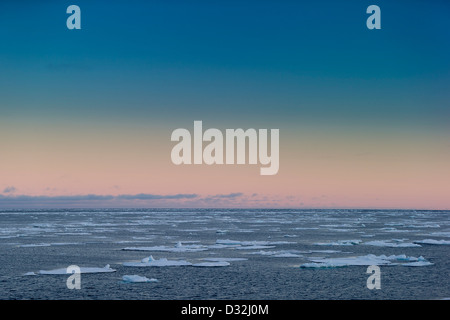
x: 366, y: 260
x: 340, y: 243
x: 440, y: 234
x: 228, y: 242
x: 179, y: 247
x: 417, y: 264
x: 254, y: 247
x: 212, y: 264
x: 280, y: 253
x: 34, y: 245
x: 393, y: 230
x: 432, y: 241
x: 137, y: 279
x: 392, y: 244
x: 106, y: 268
x: 151, y: 262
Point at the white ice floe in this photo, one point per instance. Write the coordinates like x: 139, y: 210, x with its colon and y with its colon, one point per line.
x: 366, y: 260
x: 440, y: 234
x: 395, y: 230
x: 228, y: 242
x: 33, y: 245
x: 287, y: 255
x: 151, y: 262
x: 179, y: 247
x: 280, y: 253
x: 392, y: 244
x: 417, y: 264
x: 31, y: 273
x: 340, y: 243
x: 432, y: 241
x: 137, y: 279
x: 254, y: 247
x: 106, y: 268
x: 212, y: 264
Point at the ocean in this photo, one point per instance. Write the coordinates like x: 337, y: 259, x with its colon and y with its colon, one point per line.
x: 225, y: 254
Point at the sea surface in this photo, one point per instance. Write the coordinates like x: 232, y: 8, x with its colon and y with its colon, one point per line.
x: 224, y: 254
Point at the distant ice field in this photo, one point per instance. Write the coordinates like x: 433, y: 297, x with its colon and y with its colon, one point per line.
x: 225, y: 254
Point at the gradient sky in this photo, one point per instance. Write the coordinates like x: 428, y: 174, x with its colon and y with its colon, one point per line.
x: 86, y: 115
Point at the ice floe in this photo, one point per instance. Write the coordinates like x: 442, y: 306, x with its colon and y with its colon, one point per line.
x: 339, y: 243
x: 417, y: 264
x: 254, y: 247
x: 137, y: 279
x: 366, y: 260
x: 432, y: 241
x: 280, y: 253
x: 440, y: 234
x: 151, y: 262
x: 106, y: 268
x: 392, y: 244
x: 32, y: 245
x: 179, y: 247
x: 212, y: 264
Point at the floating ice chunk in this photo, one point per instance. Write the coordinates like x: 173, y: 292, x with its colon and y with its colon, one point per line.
x: 393, y: 230
x: 212, y: 264
x: 137, y: 279
x: 254, y: 247
x: 280, y: 254
x: 340, y: 243
x: 287, y: 255
x: 32, y: 245
x: 424, y: 225
x: 440, y: 234
x: 324, y: 251
x: 367, y: 260
x: 228, y: 242
x: 106, y: 268
x: 31, y: 273
x: 387, y: 243
x: 148, y: 259
x: 177, y: 248
x: 432, y: 241
x: 417, y: 264
x: 151, y: 262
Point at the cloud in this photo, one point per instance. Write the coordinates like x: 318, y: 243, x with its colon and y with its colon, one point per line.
x: 93, y: 197
x: 224, y: 196
x: 10, y: 189
x: 141, y: 200
x: 144, y: 196
x: 26, y: 198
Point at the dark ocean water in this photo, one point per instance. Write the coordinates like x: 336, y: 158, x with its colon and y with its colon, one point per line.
x: 34, y: 240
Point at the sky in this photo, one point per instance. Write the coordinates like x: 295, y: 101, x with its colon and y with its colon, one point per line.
x: 86, y: 115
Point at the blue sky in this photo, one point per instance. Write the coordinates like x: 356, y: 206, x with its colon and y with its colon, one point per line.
x: 106, y: 98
